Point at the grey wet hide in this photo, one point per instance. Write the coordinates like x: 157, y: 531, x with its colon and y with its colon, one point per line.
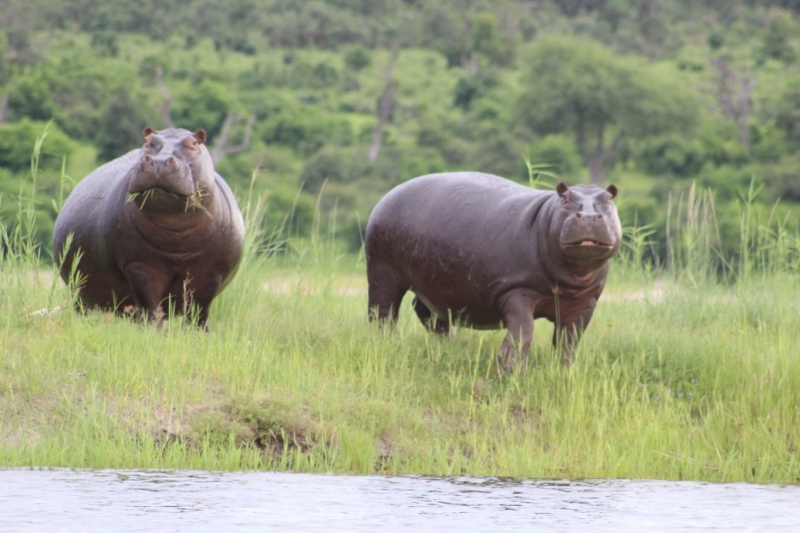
x: 492, y: 254
x: 153, y: 228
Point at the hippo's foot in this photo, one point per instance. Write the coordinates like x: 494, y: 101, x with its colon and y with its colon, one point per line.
x: 567, y: 358
x: 505, y: 362
x: 384, y: 295
x: 429, y: 320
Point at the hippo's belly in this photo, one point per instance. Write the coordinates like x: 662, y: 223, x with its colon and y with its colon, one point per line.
x: 461, y: 302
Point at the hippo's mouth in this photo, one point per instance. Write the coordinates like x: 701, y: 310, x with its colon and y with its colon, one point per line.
x: 160, y: 199
x: 148, y: 193
x: 588, y: 243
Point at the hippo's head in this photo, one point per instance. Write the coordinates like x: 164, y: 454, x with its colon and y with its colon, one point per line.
x: 174, y: 161
x: 587, y: 216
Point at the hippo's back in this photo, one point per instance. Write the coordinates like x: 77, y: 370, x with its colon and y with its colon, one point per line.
x: 83, y: 210
x: 457, y: 208
x: 440, y: 196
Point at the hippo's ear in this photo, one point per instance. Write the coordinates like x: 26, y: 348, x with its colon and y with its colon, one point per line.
x: 612, y: 190
x: 200, y: 135
x: 148, y: 131
x: 561, y: 188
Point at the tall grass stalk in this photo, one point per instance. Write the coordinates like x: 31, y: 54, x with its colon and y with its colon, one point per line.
x: 693, y: 236
x: 695, y: 250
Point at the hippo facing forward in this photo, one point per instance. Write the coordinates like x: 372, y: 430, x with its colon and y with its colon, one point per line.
x: 491, y: 253
x: 157, y: 225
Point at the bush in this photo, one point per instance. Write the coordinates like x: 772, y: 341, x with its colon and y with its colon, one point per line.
x: 720, y: 144
x: 121, y: 126
x: 304, y: 75
x: 357, y: 59
x: 777, y: 39
x: 499, y: 153
x: 470, y: 88
x: 31, y: 97
x: 327, y: 164
x: 203, y: 105
x: 17, y: 140
x: 557, y: 151
x: 306, y: 129
x: 670, y: 155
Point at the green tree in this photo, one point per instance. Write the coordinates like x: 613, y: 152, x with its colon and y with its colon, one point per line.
x: 777, y: 39
x: 447, y: 30
x: 486, y: 38
x: 788, y: 112
x: 31, y: 97
x: 356, y: 58
x: 120, y: 127
x: 17, y: 140
x: 578, y: 86
x: 558, y: 152
x: 204, y: 105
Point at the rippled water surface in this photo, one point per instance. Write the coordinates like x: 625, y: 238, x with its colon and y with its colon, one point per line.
x: 129, y: 501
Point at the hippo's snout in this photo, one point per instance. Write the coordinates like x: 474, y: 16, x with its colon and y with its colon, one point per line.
x: 150, y: 163
x: 589, y: 217
x: 164, y: 172
x: 590, y: 235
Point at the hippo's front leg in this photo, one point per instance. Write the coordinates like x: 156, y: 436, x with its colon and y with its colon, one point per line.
x: 201, y: 297
x: 148, y: 285
x: 568, y: 332
x: 516, y: 308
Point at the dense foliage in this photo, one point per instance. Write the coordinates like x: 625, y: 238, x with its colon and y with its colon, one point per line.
x: 355, y: 96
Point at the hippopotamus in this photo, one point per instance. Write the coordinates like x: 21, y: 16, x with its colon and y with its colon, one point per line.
x: 488, y: 253
x: 153, y: 228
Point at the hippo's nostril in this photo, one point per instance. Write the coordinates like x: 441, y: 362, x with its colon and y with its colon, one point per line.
x: 577, y: 215
x: 599, y: 217
x: 172, y: 161
x: 147, y: 159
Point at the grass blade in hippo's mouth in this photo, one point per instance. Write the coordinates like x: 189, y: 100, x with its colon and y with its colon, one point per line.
x: 193, y: 201
x: 147, y: 193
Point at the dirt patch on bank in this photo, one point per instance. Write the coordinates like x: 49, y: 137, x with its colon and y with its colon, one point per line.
x: 268, y: 424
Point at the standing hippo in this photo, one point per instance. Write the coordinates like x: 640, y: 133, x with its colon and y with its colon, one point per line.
x: 154, y: 227
x: 490, y: 253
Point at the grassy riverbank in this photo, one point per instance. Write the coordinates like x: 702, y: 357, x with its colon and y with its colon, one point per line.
x: 689, y: 371
x: 673, y: 381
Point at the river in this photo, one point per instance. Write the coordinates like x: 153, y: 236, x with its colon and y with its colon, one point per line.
x: 39, y: 501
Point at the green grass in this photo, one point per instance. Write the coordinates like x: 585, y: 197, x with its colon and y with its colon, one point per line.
x: 689, y: 370
x: 674, y: 384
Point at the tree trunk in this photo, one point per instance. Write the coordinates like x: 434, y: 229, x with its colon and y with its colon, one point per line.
x: 385, y: 108
x: 3, y: 108
x: 597, y: 176
x: 166, y: 108
x: 221, y: 150
x: 599, y: 160
x: 733, y: 93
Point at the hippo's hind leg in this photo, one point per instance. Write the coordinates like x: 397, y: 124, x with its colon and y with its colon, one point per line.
x: 385, y: 293
x: 429, y: 320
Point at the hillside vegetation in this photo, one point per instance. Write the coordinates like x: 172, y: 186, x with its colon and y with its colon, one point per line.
x: 356, y: 96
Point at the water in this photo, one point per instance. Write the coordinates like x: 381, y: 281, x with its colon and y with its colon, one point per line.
x: 130, y: 501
